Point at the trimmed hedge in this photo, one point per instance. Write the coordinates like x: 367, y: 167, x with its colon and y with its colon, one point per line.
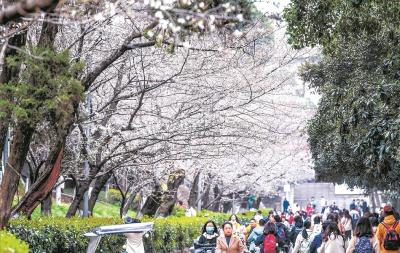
x: 55, y: 234
x: 10, y: 244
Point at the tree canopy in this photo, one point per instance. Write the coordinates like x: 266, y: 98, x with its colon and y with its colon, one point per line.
x: 354, y: 135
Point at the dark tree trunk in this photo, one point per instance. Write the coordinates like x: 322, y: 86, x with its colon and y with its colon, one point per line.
x: 81, y: 188
x: 194, y: 191
x: 227, y: 205
x: 152, y: 203
x: 168, y: 200
x: 98, y: 186
x: 128, y: 203
x: 9, y: 184
x: 43, y: 185
x: 257, y: 203
x: 205, y: 199
x: 45, y: 206
x: 216, y: 200
x: 46, y: 181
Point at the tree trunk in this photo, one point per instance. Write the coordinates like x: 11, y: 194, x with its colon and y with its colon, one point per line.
x: 9, y: 184
x: 194, y: 191
x: 46, y: 181
x: 81, y: 188
x: 205, y: 199
x: 128, y: 203
x: 98, y: 186
x: 43, y: 185
x: 168, y: 200
x: 152, y: 203
x: 227, y: 205
x: 216, y: 200
x: 257, y: 203
x: 45, y: 206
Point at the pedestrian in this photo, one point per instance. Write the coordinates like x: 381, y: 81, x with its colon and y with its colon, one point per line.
x: 268, y: 241
x: 303, y: 240
x: 229, y: 242
x: 296, y: 229
x: 282, y: 234
x: 286, y: 205
x: 209, y: 233
x: 237, y: 227
x: 317, y: 226
x: 333, y: 241
x: 258, y: 216
x: 364, y: 240
x: 134, y: 240
x: 253, y: 224
x: 317, y: 241
x: 388, y: 231
x: 347, y: 224
x: 255, y: 234
x: 322, y: 203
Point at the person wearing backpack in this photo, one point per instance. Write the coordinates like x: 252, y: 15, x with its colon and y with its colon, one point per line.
x: 296, y: 229
x: 268, y: 242
x: 303, y: 240
x: 256, y: 233
x: 388, y: 232
x: 282, y: 235
x: 333, y: 241
x: 363, y: 240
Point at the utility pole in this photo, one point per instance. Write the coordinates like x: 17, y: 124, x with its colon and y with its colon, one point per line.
x: 86, y: 163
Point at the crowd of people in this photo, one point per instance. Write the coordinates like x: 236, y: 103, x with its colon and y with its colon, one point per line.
x: 332, y: 230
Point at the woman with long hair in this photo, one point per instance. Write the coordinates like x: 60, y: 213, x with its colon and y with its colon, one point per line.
x: 303, y: 239
x: 363, y: 240
x: 333, y: 241
x: 346, y: 222
x: 209, y: 233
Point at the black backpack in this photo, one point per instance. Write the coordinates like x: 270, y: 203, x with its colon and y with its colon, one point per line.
x: 392, y: 239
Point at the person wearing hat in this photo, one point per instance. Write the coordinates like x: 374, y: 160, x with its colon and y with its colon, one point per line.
x: 134, y: 241
x: 389, y: 223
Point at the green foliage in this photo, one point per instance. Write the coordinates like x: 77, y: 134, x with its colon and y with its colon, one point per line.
x: 354, y: 134
x: 47, y: 89
x: 10, y: 244
x: 114, y: 197
x: 330, y: 22
x: 56, y: 234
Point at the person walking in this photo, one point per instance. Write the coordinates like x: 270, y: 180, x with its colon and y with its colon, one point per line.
x: 333, y: 241
x: 364, y: 240
x: 134, y: 240
x: 229, y: 242
x: 286, y: 205
x: 303, y: 240
x: 347, y: 224
x: 388, y: 231
x: 209, y: 233
x: 282, y: 234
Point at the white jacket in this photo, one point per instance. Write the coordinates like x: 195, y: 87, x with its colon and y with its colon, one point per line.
x: 333, y: 245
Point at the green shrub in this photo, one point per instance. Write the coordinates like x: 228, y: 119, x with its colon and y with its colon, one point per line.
x: 67, y: 235
x: 10, y: 244
x: 113, y: 197
x: 56, y: 234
